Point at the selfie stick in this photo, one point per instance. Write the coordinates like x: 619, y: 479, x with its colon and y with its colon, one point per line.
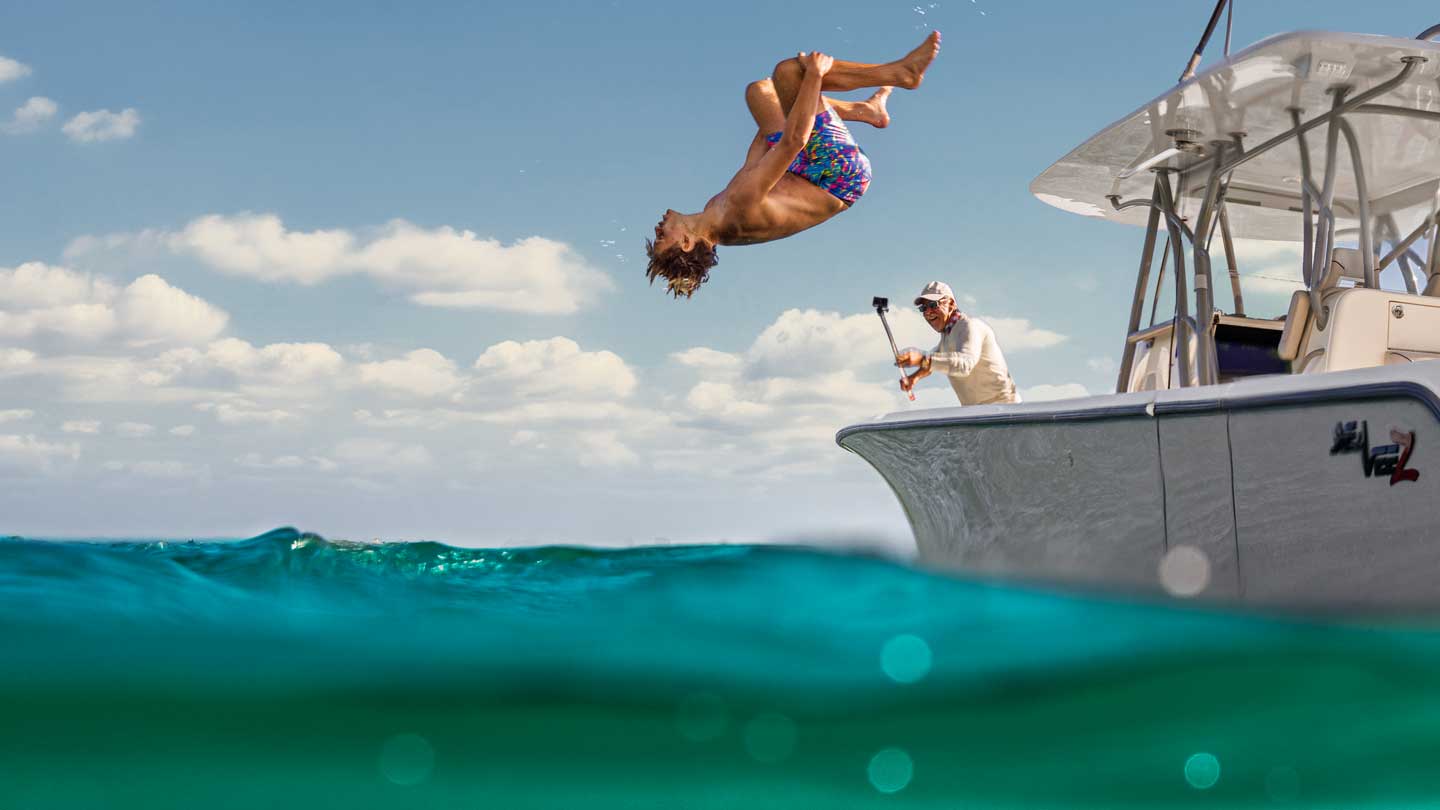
x: 882, y: 305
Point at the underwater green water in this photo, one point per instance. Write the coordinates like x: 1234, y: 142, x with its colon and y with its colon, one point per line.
x: 290, y: 671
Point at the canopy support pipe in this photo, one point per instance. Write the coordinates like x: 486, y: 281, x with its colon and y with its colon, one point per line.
x: 1432, y: 264
x: 1142, y: 282
x: 1231, y: 261
x: 1367, y: 235
x: 1160, y: 279
x: 1205, y: 360
x: 1402, y: 251
x: 1307, y: 181
x: 1325, y: 233
x: 1391, y: 109
x: 1181, y: 338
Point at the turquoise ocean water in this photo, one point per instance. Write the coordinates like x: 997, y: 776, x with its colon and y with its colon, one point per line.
x: 291, y: 671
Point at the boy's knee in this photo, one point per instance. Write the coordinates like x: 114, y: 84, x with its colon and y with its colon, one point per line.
x: 788, y: 70
x: 760, y: 90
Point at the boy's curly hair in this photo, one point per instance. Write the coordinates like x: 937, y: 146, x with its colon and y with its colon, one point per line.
x: 683, y: 271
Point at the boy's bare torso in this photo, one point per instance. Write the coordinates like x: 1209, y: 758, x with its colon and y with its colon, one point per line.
x: 791, y: 206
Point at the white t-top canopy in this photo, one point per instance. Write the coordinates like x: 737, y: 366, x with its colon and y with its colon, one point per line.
x: 1252, y: 93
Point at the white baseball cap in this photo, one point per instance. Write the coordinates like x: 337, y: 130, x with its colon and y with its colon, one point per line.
x: 934, y: 291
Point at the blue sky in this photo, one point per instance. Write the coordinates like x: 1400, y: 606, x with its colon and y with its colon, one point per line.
x: 288, y: 167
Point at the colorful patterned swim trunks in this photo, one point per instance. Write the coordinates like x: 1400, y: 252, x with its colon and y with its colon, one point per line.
x: 831, y: 159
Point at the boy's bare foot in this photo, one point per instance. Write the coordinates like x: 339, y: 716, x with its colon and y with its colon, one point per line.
x: 915, y: 63
x: 872, y: 110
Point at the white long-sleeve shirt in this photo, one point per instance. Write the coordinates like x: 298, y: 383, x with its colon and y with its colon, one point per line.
x: 970, y: 356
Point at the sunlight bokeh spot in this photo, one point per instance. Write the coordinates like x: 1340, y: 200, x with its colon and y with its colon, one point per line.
x: 1184, y: 571
x: 770, y: 738
x: 1202, y: 771
x: 407, y: 759
x: 906, y: 658
x: 891, y: 770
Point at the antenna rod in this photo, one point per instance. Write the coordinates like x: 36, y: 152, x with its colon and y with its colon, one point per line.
x: 1204, y: 40
x: 1229, y: 25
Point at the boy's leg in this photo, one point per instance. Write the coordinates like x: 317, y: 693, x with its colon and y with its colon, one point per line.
x: 870, y: 111
x: 906, y: 72
x: 764, y: 105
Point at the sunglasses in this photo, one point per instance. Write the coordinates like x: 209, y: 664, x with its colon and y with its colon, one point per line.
x: 926, y: 306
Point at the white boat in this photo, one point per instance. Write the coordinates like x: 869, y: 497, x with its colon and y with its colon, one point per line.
x: 1292, y: 462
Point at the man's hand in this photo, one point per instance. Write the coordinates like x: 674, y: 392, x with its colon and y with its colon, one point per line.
x: 912, y: 357
x: 908, y: 381
x: 816, y: 62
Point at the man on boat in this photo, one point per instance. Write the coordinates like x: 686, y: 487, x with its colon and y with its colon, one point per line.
x: 803, y: 166
x: 968, y: 353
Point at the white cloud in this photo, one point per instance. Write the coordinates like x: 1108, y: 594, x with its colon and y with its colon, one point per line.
x: 183, y: 431
x: 27, y: 453
x: 134, y: 430
x: 712, y: 363
x: 88, y: 426
x: 1046, y: 392
x: 36, y: 297
x: 83, y: 322
x: 276, y: 363
x: 423, y: 373
x: 409, y: 418
x: 437, y: 267
x: 30, y: 116
x: 152, y: 311
x: 1017, y: 334
x: 172, y: 470
x: 243, y: 412
x: 802, y: 342
x: 540, y: 368
x: 260, y: 247
x: 1102, y: 365
x: 102, y: 125
x: 722, y: 400
x: 15, y: 415
x: 773, y: 411
x: 377, y: 455
x: 40, y: 299
x: 258, y: 461
x: 10, y: 70
x: 603, y: 448
x: 11, y: 359
x: 36, y: 285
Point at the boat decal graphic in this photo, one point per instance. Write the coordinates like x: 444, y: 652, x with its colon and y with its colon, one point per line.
x: 1382, y: 461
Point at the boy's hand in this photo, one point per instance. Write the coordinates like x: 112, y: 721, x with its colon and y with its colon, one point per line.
x: 817, y: 62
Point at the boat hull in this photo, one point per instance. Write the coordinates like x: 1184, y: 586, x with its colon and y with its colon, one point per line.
x: 1290, y: 491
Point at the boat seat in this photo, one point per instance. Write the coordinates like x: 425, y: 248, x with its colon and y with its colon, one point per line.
x: 1344, y: 263
x: 1295, y: 320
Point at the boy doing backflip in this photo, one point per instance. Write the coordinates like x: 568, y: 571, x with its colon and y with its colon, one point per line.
x: 803, y: 166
